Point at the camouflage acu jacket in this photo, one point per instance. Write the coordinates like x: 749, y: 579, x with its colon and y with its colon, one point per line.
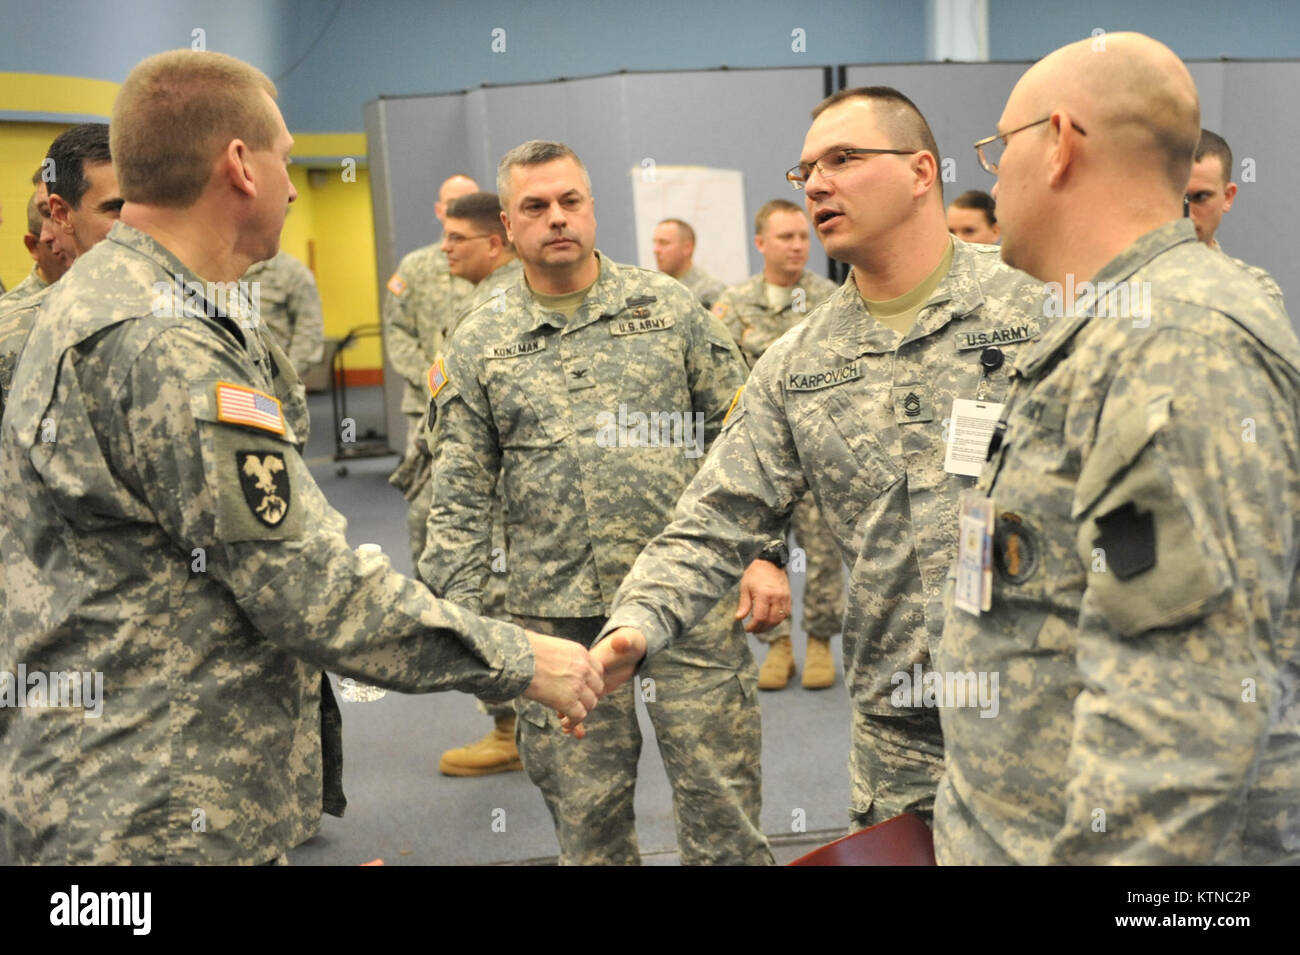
x: 161, y: 530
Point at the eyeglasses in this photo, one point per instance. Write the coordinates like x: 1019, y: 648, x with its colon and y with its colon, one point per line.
x: 455, y: 238
x: 834, y: 162
x: 990, y: 149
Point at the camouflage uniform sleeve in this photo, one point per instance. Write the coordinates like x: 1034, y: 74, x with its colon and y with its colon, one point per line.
x: 1174, y: 621
x: 401, y: 334
x: 297, y: 580
x: 307, y: 341
x: 714, y: 369
x: 741, y: 497
x: 724, y: 309
x: 466, y: 462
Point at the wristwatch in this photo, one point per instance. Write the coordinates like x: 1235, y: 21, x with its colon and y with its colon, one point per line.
x: 775, y: 552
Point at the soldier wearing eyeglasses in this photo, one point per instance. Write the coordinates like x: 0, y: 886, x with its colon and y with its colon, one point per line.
x: 874, y: 403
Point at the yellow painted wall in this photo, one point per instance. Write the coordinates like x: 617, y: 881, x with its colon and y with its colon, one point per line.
x: 335, y: 217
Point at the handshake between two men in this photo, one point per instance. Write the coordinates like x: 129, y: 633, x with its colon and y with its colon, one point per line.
x: 572, y: 680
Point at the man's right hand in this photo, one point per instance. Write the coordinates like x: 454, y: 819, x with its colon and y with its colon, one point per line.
x: 566, y: 678
x: 619, y: 653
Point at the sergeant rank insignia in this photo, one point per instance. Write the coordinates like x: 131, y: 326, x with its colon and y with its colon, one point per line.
x: 265, y: 483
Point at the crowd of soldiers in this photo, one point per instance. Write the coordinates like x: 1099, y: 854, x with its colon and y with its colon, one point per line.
x: 1083, y: 501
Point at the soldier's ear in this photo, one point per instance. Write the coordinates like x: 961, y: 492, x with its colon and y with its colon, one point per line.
x: 59, y: 210
x: 505, y: 221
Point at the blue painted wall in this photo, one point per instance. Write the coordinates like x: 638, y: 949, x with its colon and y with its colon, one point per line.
x: 329, y: 57
x: 1194, y: 29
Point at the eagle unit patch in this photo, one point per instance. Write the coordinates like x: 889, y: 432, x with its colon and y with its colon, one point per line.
x: 265, y: 483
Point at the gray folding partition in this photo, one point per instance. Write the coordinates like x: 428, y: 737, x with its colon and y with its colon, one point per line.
x: 755, y: 121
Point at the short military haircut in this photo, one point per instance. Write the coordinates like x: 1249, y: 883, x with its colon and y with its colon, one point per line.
x: 1212, y: 144
x: 978, y: 199
x: 67, y: 158
x: 34, y: 214
x: 176, y: 113
x: 900, y: 120
x: 535, y: 152
x: 773, y: 205
x: 481, y: 208
x: 684, y: 230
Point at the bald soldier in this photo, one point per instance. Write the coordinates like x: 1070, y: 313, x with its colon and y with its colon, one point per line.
x: 757, y: 312
x: 164, y: 544
x: 674, y: 248
x: 860, y: 403
x: 1210, y: 195
x: 1143, y: 492
x: 423, y: 299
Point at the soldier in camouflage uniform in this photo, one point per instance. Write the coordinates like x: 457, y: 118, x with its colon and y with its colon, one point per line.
x: 474, y: 241
x: 48, y: 266
x: 674, y: 249
x: 161, y: 528
x: 1210, y: 195
x: 758, y: 312
x: 855, y: 404
x: 548, y: 391
x: 423, y: 299
x: 1144, y: 480
x: 71, y: 155
x: 290, y: 308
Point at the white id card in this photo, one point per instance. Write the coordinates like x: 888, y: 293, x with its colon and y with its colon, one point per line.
x: 974, y: 592
x: 970, y: 426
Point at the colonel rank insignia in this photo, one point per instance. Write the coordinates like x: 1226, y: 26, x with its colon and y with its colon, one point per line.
x: 265, y: 483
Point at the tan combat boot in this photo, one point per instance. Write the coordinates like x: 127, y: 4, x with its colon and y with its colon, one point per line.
x: 777, y: 669
x: 494, y: 753
x: 818, y: 665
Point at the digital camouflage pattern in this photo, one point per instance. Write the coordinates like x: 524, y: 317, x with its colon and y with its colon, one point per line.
x: 745, y: 311
x: 420, y: 493
x: 421, y: 300
x: 25, y: 289
x: 195, y: 563
x: 827, y: 409
x: 701, y: 696
x: 535, y: 398
x: 703, y: 285
x: 1260, y: 275
x: 1145, y: 613
x: 290, y: 308
x: 16, y: 318
x: 749, y: 317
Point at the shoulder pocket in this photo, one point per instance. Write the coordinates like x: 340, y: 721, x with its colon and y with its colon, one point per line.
x: 1150, y: 550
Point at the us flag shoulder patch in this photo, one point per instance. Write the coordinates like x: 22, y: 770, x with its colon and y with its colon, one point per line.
x: 396, y: 284
x: 437, y: 377
x: 239, y: 405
